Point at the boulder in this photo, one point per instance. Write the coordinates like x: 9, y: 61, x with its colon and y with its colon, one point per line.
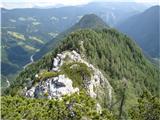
x: 55, y: 87
x: 56, y: 62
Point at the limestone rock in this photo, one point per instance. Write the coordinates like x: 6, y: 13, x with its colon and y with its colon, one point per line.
x: 30, y: 93
x: 99, y: 108
x: 56, y: 87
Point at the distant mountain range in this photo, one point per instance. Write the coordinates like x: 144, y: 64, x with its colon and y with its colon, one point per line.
x: 144, y: 29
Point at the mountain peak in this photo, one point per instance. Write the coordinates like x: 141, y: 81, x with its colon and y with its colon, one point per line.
x: 91, y: 21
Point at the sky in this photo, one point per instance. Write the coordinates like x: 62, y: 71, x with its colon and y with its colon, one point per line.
x: 43, y: 3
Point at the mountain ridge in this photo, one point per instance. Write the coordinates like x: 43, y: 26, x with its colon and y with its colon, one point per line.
x: 144, y: 29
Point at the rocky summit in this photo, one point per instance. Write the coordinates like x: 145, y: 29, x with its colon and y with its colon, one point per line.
x: 52, y: 88
x: 61, y: 84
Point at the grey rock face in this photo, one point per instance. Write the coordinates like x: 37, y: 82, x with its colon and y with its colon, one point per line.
x: 56, y: 87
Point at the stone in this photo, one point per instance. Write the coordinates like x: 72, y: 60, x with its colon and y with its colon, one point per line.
x: 55, y: 87
x: 56, y: 62
x: 30, y: 93
x: 55, y: 69
x: 98, y: 108
x: 61, y: 85
x: 36, y: 76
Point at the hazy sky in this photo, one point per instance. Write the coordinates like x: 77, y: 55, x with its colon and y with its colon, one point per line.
x: 43, y: 3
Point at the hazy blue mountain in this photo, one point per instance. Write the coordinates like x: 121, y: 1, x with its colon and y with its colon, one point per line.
x: 144, y: 29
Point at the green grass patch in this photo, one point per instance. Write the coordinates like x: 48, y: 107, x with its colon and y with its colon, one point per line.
x: 47, y: 74
x: 30, y: 48
x: 21, y: 43
x: 36, y: 39
x: 16, y: 35
x: 77, y: 72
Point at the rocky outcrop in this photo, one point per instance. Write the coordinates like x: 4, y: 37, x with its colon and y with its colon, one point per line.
x: 55, y: 87
x: 61, y: 85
